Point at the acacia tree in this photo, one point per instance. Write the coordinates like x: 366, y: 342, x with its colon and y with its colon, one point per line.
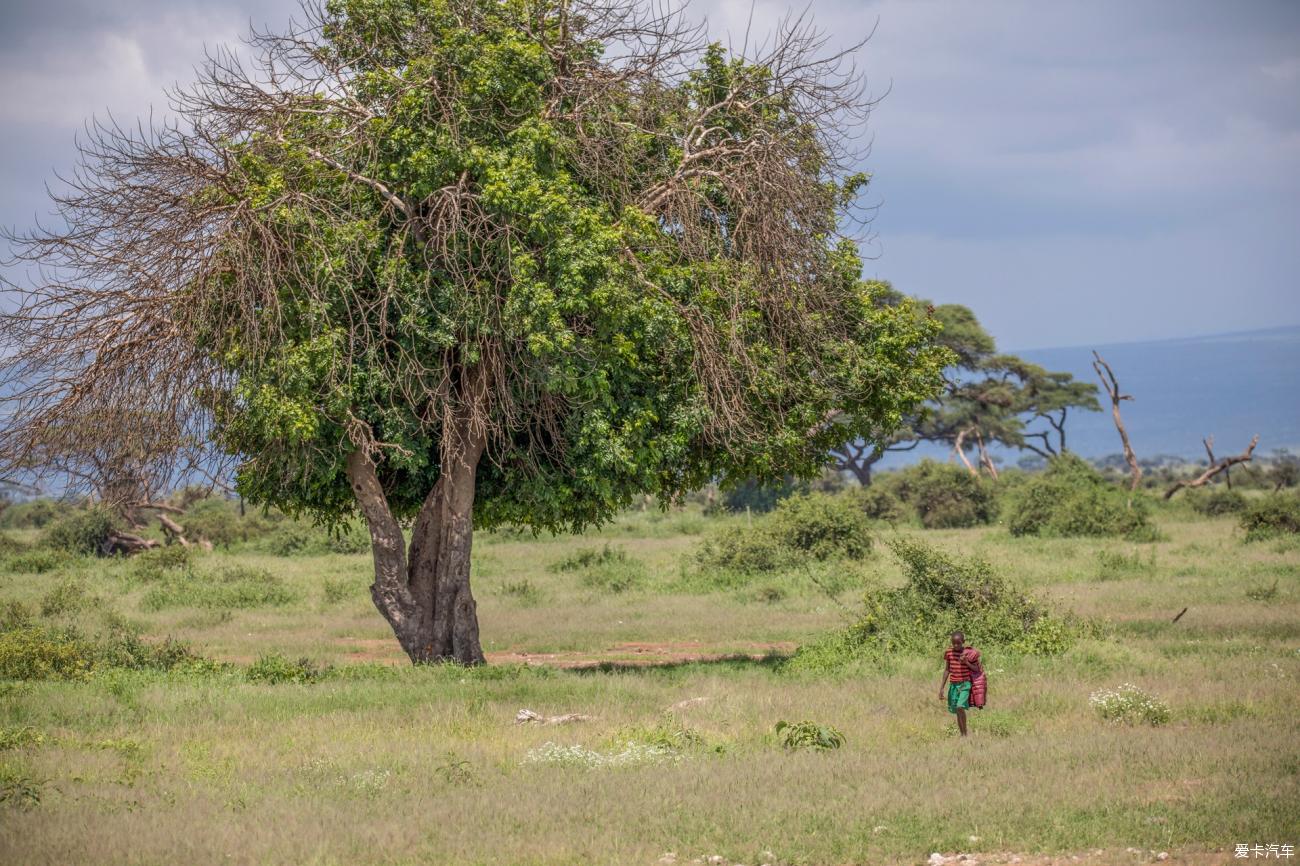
x: 457, y: 263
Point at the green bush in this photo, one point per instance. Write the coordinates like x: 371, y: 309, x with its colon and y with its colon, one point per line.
x: 809, y: 735
x: 744, y: 550
x: 39, y: 561
x: 229, y: 588
x: 67, y: 596
x: 943, y: 594
x: 31, y: 652
x: 943, y: 496
x: 821, y: 526
x: 83, y: 532
x: 1273, y: 515
x: 35, y: 514
x: 1217, y: 502
x: 606, y: 568
x: 1113, y: 564
x: 879, y: 502
x: 1071, y: 499
x: 160, y: 562
x: 274, y: 668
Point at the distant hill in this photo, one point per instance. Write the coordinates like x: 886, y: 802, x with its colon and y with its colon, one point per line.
x: 1231, y: 386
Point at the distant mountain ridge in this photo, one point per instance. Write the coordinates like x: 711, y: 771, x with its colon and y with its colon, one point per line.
x: 1230, y: 386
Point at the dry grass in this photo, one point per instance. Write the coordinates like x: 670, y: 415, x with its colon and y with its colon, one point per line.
x: 395, y: 765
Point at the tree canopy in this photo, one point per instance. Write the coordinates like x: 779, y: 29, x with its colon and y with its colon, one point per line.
x: 526, y: 258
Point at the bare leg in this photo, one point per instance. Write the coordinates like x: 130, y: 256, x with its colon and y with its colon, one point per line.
x: 961, y: 722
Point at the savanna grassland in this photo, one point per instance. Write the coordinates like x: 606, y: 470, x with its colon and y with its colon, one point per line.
x: 291, y: 731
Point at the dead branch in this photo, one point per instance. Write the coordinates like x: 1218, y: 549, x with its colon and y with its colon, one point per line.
x: 1215, y: 468
x: 1109, y: 382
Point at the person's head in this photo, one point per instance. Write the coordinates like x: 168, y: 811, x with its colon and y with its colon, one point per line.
x: 958, y: 641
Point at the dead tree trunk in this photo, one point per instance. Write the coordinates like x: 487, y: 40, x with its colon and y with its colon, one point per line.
x: 985, y: 459
x: 424, y: 591
x: 1111, y: 385
x: 959, y: 448
x: 1208, y: 442
x: 1215, y: 468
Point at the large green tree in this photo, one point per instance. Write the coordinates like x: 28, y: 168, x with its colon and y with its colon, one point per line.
x: 458, y: 263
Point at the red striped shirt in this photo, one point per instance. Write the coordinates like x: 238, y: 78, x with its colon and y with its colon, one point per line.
x: 958, y: 670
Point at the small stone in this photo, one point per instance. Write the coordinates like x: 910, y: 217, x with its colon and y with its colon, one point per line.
x: 1163, y: 855
x: 717, y: 860
x: 879, y: 828
x: 1133, y: 850
x: 937, y: 859
x: 1015, y: 859
x: 668, y: 859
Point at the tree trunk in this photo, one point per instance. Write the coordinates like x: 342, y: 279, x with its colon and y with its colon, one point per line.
x: 424, y: 593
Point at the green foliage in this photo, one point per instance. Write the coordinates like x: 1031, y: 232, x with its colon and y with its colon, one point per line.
x: 879, y: 502
x: 232, y: 587
x: 160, y: 562
x: 83, y: 532
x: 809, y: 735
x: 273, y: 669
x: 20, y: 738
x: 821, y: 526
x: 943, y: 594
x: 944, y: 496
x: 1113, y: 564
x: 596, y: 313
x: 339, y: 589
x: 1278, y: 514
x: 803, y: 529
x: 35, y: 514
x: 1262, y: 593
x: 606, y: 568
x: 524, y: 591
x: 1217, y: 501
x: 67, y: 596
x: 38, y: 561
x: 18, y: 789
x: 1071, y: 498
x: 1130, y: 705
x: 30, y: 652
x: 753, y: 496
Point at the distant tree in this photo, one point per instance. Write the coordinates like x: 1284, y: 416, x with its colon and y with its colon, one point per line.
x: 988, y: 398
x: 450, y: 263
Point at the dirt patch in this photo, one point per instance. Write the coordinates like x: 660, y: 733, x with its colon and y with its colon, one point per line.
x: 633, y: 654
x: 1098, y: 857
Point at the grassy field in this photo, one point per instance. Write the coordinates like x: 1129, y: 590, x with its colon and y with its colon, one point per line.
x: 373, y: 762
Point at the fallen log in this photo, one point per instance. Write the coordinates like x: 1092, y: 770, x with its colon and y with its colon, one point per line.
x: 1215, y: 468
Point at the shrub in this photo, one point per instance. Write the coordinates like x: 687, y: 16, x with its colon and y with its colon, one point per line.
x: 35, y: 514
x: 38, y: 561
x: 809, y: 735
x: 942, y: 594
x: 1112, y: 564
x: 30, y: 652
x: 744, y: 550
x: 879, y: 502
x: 67, y: 596
x: 1130, y: 705
x: 341, y: 588
x: 160, y: 562
x: 943, y: 496
x: 1217, y: 502
x: 1070, y: 499
x: 524, y: 590
x: 1273, y: 515
x: 232, y: 587
x: 1262, y: 593
x: 274, y: 668
x: 83, y: 532
x: 821, y: 526
x: 606, y: 568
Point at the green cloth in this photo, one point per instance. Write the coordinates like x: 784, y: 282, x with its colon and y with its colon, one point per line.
x: 958, y: 696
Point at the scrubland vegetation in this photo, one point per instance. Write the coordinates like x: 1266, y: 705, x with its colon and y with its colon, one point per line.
x: 755, y: 685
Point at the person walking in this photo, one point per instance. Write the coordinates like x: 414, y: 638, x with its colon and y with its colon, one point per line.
x: 957, y: 675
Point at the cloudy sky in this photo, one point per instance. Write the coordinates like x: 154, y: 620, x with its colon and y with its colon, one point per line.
x: 1076, y: 172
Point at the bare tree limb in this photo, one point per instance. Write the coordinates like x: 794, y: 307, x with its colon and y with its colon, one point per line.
x: 1215, y: 468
